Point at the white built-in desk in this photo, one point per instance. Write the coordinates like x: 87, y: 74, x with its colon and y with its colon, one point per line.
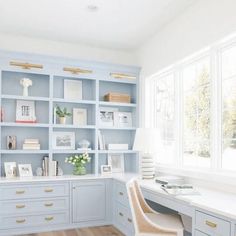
x: 52, y: 203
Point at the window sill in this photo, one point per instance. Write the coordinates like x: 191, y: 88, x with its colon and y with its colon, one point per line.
x: 223, y: 181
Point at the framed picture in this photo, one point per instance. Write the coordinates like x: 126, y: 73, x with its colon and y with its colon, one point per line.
x: 79, y: 116
x: 107, y: 116
x: 73, y: 89
x: 106, y: 169
x: 10, y: 169
x: 117, y: 162
x: 25, y: 111
x: 25, y: 170
x: 63, y: 140
x: 123, y: 119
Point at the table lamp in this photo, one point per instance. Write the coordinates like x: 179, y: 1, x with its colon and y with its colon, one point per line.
x: 146, y: 141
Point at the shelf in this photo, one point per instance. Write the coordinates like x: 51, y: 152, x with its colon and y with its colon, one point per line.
x: 33, y: 125
x: 14, y: 97
x: 71, y: 151
x: 117, y: 128
x: 90, y: 102
x: 122, y: 81
x: 24, y: 151
x: 117, y: 104
x: 59, y: 126
x: 116, y: 151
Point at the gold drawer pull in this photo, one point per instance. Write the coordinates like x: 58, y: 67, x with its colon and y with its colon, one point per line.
x: 121, y: 193
x: 20, y: 206
x: 211, y: 224
x: 121, y: 214
x: 26, y: 65
x: 49, y: 218
x: 48, y: 190
x: 130, y: 220
x: 20, y: 221
x: 48, y: 204
x: 20, y: 191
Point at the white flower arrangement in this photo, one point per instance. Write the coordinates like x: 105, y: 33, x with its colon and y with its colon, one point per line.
x: 78, y: 160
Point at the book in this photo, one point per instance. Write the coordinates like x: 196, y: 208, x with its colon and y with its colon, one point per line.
x: 117, y: 146
x: 183, y: 189
x: 31, y: 140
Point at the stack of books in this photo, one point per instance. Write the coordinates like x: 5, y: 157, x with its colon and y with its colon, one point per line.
x: 31, y: 144
x: 50, y: 167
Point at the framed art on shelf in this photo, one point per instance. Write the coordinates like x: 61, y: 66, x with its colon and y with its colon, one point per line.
x: 63, y: 140
x: 123, y: 119
x: 10, y: 169
x: 107, y: 116
x: 79, y: 116
x: 117, y: 162
x: 25, y: 111
x: 25, y: 170
x: 106, y: 169
x: 72, y: 89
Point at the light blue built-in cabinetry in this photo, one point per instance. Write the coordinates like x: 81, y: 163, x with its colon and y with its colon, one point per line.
x: 47, y: 91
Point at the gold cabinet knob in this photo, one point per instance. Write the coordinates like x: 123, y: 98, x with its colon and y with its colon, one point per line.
x: 49, y: 218
x: 211, y: 224
x: 20, y: 191
x: 20, y: 206
x: 48, y: 190
x: 20, y: 221
x: 121, y: 193
x: 121, y: 214
x: 48, y: 204
x: 129, y: 220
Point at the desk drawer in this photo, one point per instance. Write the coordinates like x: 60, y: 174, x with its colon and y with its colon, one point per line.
x: 212, y: 225
x: 34, y: 220
x: 123, y: 217
x: 198, y: 233
x: 39, y: 205
x: 121, y: 194
x: 33, y: 191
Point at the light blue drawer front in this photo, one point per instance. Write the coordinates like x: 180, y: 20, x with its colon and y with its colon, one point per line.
x: 121, y: 194
x: 34, y: 220
x: 212, y: 225
x: 198, y: 233
x: 33, y: 191
x: 34, y: 205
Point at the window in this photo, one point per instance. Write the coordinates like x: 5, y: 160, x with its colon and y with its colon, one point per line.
x: 193, y: 105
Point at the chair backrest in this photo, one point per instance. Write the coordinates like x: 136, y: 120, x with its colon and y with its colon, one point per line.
x: 139, y: 207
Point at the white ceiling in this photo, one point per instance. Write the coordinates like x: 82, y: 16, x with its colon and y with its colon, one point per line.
x: 118, y: 24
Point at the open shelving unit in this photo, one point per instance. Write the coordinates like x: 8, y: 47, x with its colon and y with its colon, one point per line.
x: 47, y: 92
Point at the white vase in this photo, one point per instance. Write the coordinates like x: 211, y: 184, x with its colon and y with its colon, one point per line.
x: 25, y: 91
x: 62, y: 120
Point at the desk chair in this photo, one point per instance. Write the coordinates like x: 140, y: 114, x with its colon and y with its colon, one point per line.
x: 148, y: 222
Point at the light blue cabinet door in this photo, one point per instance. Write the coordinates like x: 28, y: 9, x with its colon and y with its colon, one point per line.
x: 89, y: 201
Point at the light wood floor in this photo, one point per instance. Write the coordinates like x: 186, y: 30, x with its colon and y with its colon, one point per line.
x: 93, y: 231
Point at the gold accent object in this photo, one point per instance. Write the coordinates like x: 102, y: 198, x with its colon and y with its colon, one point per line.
x: 49, y: 218
x: 129, y: 220
x: 48, y: 204
x: 121, y: 214
x: 122, y: 76
x: 26, y: 65
x: 20, y: 206
x: 20, y: 191
x: 20, y: 221
x: 48, y: 190
x: 121, y: 193
x: 77, y: 70
x: 211, y: 224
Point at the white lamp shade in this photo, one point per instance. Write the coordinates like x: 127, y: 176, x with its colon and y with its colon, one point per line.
x: 146, y: 140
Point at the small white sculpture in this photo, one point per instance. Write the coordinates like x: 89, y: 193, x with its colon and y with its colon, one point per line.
x: 25, y: 82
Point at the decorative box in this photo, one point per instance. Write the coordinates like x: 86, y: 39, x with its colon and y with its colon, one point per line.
x: 117, y: 97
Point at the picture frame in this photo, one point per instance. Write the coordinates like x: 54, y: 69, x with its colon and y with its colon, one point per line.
x: 79, y: 116
x: 10, y: 169
x: 25, y: 170
x: 116, y: 160
x: 73, y: 89
x: 123, y: 119
x: 25, y: 111
x: 63, y: 140
x: 106, y: 169
x: 107, y: 116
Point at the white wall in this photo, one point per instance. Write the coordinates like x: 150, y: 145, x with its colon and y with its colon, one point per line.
x: 76, y: 51
x: 201, y: 24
